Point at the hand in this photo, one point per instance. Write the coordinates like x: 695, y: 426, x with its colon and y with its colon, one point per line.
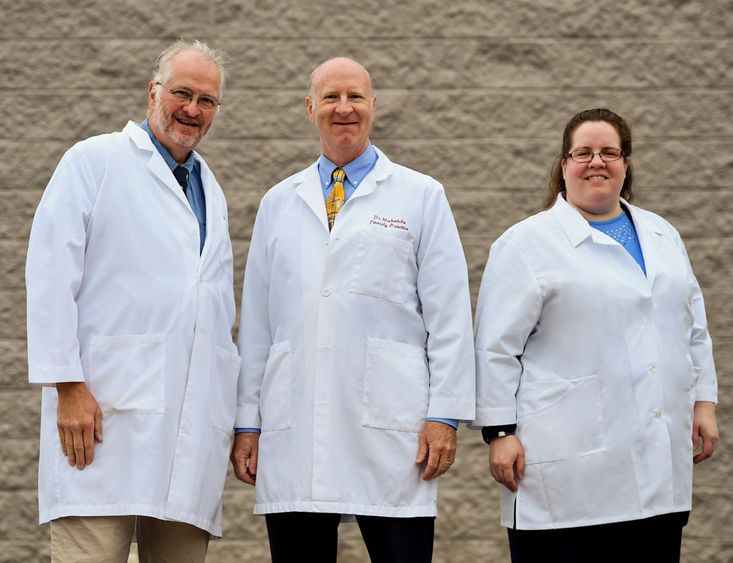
x: 79, y: 422
x: 704, y: 428
x: 506, y: 461
x: 437, y: 444
x: 244, y: 456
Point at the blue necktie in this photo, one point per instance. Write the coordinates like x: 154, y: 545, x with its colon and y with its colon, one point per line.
x: 181, y: 175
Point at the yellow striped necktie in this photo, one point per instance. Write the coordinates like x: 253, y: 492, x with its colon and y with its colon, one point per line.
x: 336, y: 198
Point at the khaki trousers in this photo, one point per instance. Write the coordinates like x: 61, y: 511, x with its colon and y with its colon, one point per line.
x: 107, y: 539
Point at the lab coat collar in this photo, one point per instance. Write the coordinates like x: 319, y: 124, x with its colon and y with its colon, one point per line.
x: 577, y: 230
x: 308, y: 185
x: 157, y: 164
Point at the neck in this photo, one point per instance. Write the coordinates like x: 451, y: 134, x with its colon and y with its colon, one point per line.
x: 599, y: 214
x: 343, y: 156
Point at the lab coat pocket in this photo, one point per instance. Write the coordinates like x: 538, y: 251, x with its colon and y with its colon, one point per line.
x: 381, y: 266
x: 396, y: 385
x: 127, y: 373
x: 277, y: 385
x: 223, y: 390
x: 559, y: 419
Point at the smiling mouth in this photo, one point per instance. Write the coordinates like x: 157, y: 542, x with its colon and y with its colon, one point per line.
x: 591, y: 178
x: 187, y: 123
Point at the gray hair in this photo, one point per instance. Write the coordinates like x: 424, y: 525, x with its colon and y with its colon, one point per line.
x: 162, y: 70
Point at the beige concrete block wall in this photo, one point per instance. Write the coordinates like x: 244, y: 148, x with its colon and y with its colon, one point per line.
x: 472, y: 92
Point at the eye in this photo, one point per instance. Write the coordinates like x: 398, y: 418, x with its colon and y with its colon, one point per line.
x: 207, y: 102
x: 181, y: 95
x: 581, y: 153
x: 611, y: 153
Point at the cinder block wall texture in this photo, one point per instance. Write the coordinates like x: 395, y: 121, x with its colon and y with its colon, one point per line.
x: 472, y: 92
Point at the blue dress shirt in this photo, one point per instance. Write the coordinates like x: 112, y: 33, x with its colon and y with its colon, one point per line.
x: 195, y: 189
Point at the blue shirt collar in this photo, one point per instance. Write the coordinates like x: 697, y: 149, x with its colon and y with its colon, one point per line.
x: 169, y: 160
x: 356, y: 170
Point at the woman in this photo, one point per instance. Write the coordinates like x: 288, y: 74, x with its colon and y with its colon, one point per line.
x: 596, y: 380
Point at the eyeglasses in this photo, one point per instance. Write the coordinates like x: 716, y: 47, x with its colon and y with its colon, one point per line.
x: 184, y: 96
x: 607, y: 154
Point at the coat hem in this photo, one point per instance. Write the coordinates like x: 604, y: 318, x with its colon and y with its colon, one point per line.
x: 346, y: 509
x: 176, y: 515
x: 608, y: 519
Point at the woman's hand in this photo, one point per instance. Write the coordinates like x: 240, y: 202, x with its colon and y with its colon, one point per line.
x: 705, y: 429
x: 506, y: 461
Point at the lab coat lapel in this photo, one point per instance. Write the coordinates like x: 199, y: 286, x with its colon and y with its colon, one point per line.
x: 649, y: 236
x: 308, y: 187
x: 156, y: 165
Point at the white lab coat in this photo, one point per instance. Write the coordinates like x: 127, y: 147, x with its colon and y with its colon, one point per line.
x: 349, y: 340
x: 119, y: 297
x: 597, y: 364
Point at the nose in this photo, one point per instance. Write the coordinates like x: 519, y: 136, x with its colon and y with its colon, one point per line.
x: 596, y: 160
x: 343, y: 107
x: 192, y: 107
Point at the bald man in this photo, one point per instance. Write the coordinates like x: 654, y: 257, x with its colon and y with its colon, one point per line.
x: 356, y: 342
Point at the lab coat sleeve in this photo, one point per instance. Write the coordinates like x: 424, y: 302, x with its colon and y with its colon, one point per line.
x: 508, y: 309
x: 701, y: 346
x: 54, y: 270
x: 255, y: 338
x: 442, y: 286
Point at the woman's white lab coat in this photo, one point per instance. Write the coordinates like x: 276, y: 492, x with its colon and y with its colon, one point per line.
x: 350, y: 339
x: 599, y: 366
x: 119, y: 297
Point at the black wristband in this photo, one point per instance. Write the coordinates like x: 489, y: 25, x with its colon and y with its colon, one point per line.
x: 491, y: 432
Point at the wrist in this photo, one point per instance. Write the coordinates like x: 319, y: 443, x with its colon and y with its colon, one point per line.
x: 489, y: 433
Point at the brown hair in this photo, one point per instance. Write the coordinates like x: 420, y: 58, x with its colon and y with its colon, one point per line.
x: 557, y: 182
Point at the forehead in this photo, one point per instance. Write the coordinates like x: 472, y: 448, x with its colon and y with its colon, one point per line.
x: 193, y: 70
x: 341, y: 75
x: 596, y: 132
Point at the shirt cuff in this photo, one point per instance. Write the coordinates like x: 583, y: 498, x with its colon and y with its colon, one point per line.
x: 240, y: 430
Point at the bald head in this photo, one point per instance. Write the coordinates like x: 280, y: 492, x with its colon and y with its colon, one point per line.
x: 338, y: 63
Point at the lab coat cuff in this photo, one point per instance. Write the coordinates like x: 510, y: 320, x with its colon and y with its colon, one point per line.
x: 51, y: 375
x: 707, y: 393
x: 488, y: 416
x: 247, y: 417
x: 458, y: 409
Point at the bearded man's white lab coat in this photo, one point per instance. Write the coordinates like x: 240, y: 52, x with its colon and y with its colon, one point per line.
x: 120, y: 298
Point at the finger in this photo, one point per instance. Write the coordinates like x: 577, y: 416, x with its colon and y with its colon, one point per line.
x: 252, y: 466
x: 508, y: 479
x: 62, y: 438
x: 695, y: 438
x: 70, y: 451
x: 98, y: 425
x: 431, y: 467
x: 79, y: 450
x: 88, y: 442
x: 520, y: 466
x: 422, y: 451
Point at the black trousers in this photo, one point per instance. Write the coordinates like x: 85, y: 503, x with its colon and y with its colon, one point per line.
x: 657, y: 539
x: 312, y: 536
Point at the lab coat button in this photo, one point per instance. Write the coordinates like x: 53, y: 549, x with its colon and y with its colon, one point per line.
x: 652, y: 368
x: 658, y: 415
x: 326, y: 292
